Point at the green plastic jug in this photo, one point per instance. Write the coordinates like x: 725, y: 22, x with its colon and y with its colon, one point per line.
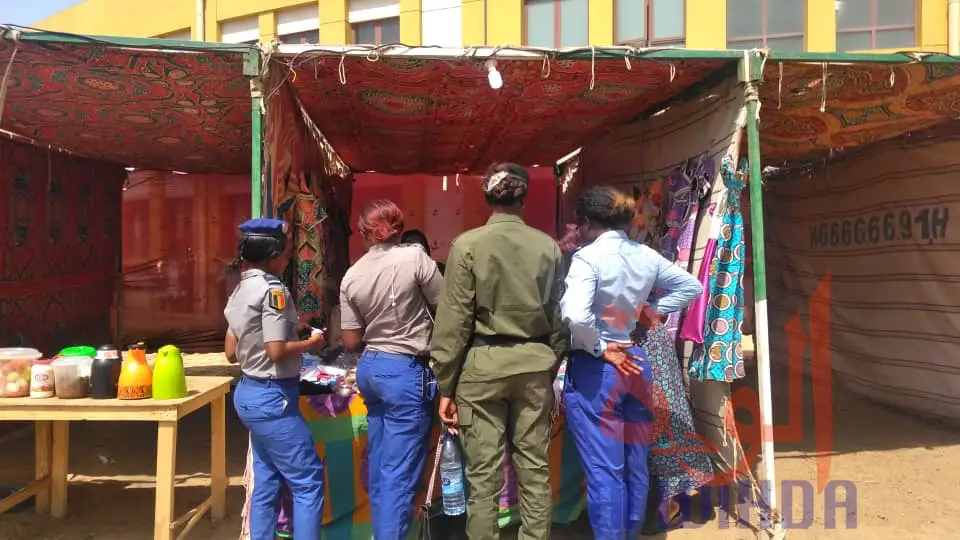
x: 169, y: 377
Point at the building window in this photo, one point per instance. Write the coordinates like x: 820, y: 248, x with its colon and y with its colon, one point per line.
x: 650, y: 22
x: 299, y: 25
x: 377, y: 32
x: 555, y: 23
x: 308, y: 37
x: 765, y: 24
x: 875, y: 24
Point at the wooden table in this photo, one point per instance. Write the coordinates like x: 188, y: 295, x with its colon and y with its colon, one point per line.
x: 52, y: 419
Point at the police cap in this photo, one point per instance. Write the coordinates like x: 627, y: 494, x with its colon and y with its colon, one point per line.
x: 276, y: 228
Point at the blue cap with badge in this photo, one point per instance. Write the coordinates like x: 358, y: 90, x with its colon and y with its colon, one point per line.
x: 276, y: 228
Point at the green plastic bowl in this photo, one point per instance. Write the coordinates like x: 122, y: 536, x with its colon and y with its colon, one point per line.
x: 80, y: 350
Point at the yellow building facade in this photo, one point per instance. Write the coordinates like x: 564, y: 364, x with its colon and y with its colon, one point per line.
x: 788, y: 25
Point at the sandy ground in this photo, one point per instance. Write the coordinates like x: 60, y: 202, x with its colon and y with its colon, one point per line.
x: 905, y: 472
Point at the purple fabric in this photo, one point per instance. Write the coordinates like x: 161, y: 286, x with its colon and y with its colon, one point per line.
x: 693, y: 324
x: 509, y: 497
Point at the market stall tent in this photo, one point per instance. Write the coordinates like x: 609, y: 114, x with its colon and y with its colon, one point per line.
x: 76, y: 111
x: 412, y: 110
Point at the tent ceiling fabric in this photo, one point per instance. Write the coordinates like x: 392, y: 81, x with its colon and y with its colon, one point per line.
x: 405, y: 115
x: 863, y: 104
x: 151, y: 109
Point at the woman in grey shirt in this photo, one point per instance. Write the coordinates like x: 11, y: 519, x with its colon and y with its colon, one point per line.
x: 386, y: 301
x: 261, y: 336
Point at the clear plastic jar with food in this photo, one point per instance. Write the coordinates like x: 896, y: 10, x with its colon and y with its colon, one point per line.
x: 72, y: 376
x: 15, y: 366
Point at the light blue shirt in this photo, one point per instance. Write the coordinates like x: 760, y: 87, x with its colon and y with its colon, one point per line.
x: 615, y: 275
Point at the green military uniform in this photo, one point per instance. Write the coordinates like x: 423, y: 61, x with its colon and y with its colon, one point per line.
x: 496, y: 346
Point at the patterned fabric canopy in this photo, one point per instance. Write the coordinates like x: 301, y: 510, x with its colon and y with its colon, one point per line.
x: 144, y: 108
x: 862, y: 104
x: 405, y: 115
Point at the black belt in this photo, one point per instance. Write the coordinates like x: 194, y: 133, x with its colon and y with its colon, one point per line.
x: 505, y: 341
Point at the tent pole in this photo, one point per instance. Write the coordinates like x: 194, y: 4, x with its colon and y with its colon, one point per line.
x: 256, y: 158
x: 251, y: 68
x: 752, y: 74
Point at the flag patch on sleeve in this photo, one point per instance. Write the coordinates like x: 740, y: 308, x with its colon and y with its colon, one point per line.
x: 278, y: 299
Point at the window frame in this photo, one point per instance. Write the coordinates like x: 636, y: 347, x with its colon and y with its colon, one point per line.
x: 314, y: 33
x: 557, y: 24
x: 377, y: 30
x: 646, y: 40
x: 764, y: 35
x: 874, y: 27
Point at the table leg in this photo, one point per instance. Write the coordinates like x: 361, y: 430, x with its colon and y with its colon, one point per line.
x: 218, y: 458
x: 166, y: 476
x: 43, y: 445
x: 59, y: 457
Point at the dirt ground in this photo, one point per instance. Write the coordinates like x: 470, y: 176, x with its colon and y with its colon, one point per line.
x: 905, y: 472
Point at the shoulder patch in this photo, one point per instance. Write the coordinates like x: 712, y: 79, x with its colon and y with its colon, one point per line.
x: 277, y: 299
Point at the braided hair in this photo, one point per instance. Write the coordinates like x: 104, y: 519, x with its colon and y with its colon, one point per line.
x: 505, y: 184
x: 606, y: 207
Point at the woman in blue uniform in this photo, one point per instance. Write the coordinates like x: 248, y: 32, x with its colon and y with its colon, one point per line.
x: 262, y: 338
x: 608, y: 391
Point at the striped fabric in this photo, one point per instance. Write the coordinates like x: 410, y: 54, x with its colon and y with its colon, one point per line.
x: 879, y: 223
x: 339, y: 427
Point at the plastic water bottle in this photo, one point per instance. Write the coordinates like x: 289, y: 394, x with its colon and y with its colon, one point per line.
x: 451, y: 477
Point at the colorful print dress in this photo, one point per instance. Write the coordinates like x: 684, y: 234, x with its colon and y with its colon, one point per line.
x: 720, y: 357
x: 679, y: 460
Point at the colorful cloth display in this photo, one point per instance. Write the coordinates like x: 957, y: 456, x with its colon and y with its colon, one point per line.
x: 686, y: 188
x: 720, y: 357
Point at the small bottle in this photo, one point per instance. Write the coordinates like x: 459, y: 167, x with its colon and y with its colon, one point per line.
x: 41, y: 379
x: 451, y: 477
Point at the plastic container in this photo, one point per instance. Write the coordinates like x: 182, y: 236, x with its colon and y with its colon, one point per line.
x: 169, y: 376
x: 72, y: 376
x: 15, y: 366
x: 136, y: 378
x: 451, y: 477
x: 42, y: 379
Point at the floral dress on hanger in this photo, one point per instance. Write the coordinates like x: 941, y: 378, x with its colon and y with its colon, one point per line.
x: 720, y: 357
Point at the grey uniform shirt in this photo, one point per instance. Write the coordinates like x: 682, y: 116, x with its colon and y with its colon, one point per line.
x: 254, y: 321
x: 388, y: 293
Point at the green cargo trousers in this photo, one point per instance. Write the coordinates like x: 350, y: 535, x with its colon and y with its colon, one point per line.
x: 519, y: 406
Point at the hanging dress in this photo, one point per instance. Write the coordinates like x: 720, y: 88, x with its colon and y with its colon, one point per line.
x: 679, y: 461
x: 720, y: 357
x: 686, y: 189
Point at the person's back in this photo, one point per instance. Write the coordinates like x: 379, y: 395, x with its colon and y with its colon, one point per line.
x: 383, y: 290
x: 496, y: 345
x: 515, y: 268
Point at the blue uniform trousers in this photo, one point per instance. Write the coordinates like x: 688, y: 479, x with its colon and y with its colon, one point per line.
x: 398, y: 391
x: 610, y: 418
x: 283, y: 453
